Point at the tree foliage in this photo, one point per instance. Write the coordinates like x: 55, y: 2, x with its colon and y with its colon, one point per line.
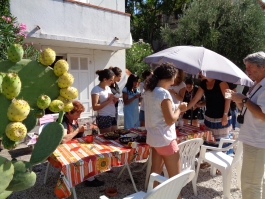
x: 146, y: 17
x: 135, y: 56
x: 230, y: 28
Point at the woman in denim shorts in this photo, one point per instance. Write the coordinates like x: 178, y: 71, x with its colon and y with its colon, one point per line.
x: 103, y: 101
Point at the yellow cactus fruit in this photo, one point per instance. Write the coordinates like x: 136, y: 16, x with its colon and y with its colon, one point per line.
x: 65, y: 80
x: 16, y: 131
x: 47, y: 57
x: 68, y: 107
x: 69, y: 93
x: 60, y: 67
x: 18, y: 110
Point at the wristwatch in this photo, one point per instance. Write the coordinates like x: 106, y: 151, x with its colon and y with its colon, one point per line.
x: 245, y: 100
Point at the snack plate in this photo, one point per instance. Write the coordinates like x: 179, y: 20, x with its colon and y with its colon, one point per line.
x: 111, y: 135
x: 122, y: 131
x: 125, y: 140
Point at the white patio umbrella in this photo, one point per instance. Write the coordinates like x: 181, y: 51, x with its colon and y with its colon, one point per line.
x: 193, y: 59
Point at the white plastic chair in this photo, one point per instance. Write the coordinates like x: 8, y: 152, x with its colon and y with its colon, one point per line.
x: 169, y: 188
x: 188, y: 150
x: 223, y: 162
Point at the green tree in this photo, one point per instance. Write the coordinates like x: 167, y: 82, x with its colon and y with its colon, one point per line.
x: 147, y: 17
x: 230, y: 28
x: 135, y: 56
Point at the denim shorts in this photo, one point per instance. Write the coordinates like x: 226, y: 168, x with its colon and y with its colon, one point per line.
x: 104, y: 122
x: 141, y: 116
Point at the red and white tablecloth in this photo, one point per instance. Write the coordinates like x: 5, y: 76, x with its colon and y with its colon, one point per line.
x: 79, y: 160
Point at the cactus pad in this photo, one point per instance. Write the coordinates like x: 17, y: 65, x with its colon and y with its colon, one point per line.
x: 6, y: 173
x: 50, y: 137
x: 23, y: 178
x: 5, y: 194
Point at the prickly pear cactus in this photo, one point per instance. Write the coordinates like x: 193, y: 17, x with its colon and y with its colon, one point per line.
x: 6, y: 173
x: 26, y: 88
x: 23, y: 178
x: 52, y: 133
x: 36, y: 80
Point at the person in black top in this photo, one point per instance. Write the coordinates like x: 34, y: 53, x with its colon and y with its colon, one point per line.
x: 114, y: 87
x: 195, y: 113
x: 217, y: 115
x: 70, y: 123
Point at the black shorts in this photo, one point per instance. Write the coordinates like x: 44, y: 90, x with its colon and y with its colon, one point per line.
x: 104, y: 122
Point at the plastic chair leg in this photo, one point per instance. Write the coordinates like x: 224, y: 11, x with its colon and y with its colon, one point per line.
x: 226, y: 183
x: 197, y: 169
x: 46, y: 172
x: 165, y: 172
x: 213, y: 171
x: 238, y: 173
x: 194, y: 185
x: 148, y: 170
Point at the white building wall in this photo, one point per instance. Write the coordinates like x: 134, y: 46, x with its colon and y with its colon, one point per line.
x: 66, y: 21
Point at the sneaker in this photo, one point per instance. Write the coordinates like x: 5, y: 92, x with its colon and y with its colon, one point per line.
x: 94, y: 183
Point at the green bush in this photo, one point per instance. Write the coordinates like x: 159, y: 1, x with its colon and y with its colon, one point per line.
x: 230, y: 28
x: 10, y: 32
x: 135, y: 56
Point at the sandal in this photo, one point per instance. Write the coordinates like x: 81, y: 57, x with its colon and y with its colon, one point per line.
x: 205, y: 165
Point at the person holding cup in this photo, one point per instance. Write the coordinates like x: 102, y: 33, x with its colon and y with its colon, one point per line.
x: 217, y: 116
x: 252, y: 130
x: 114, y: 87
x: 103, y: 101
x: 160, y: 117
x: 131, y: 98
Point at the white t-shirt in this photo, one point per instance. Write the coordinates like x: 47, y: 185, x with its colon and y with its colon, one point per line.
x: 177, y: 89
x: 142, y: 94
x: 252, y: 131
x: 159, y: 134
x: 108, y: 110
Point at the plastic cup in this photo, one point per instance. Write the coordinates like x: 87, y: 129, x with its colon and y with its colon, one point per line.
x: 228, y: 95
x: 202, y: 127
x: 181, y: 123
x: 89, y: 138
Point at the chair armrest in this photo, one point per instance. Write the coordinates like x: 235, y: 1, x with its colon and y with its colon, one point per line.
x: 155, y: 177
x: 224, y: 140
x: 204, y: 147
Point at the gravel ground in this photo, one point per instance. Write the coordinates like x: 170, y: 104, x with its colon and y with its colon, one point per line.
x: 208, y: 187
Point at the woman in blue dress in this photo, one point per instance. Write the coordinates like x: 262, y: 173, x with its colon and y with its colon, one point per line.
x: 131, y: 96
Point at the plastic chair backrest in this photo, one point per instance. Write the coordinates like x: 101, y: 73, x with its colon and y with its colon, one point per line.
x: 239, y: 152
x: 188, y: 151
x: 171, y: 188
